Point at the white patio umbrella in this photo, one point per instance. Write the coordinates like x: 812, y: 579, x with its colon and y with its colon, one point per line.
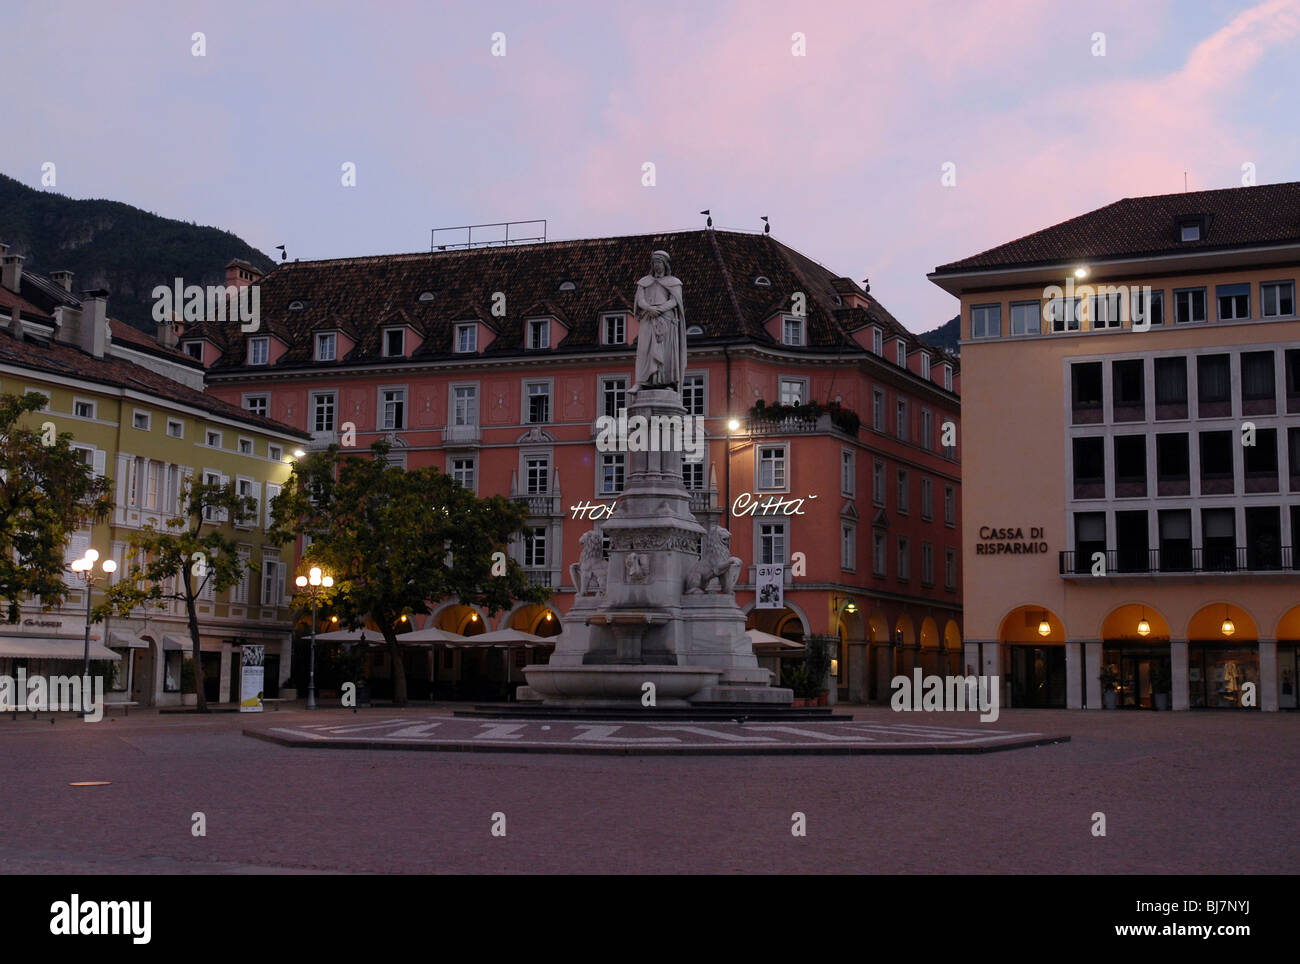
x: 761, y: 640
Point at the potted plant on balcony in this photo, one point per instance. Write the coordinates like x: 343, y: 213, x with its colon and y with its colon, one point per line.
x: 1160, y: 683
x: 1109, y: 683
x: 189, y: 692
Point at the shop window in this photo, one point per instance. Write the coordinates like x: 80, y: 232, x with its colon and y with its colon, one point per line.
x: 1130, y: 465
x: 172, y: 671
x: 1171, y: 387
x: 1217, y: 675
x: 1090, y: 468
x: 1085, y: 392
x: 1172, y: 464
x: 1216, y: 463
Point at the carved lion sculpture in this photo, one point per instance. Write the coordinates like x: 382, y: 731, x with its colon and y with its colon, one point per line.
x: 716, y: 564
x: 588, y: 573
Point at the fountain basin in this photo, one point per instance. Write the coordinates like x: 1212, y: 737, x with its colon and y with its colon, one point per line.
x: 618, y: 685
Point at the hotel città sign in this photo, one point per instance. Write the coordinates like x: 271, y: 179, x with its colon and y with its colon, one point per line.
x: 1010, y: 541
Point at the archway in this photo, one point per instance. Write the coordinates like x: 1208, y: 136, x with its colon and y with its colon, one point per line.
x: 954, y: 652
x: 1288, y: 660
x: 1223, y: 658
x: 1032, y: 639
x: 848, y: 664
x: 930, y: 655
x: 1135, y: 656
x: 905, y: 645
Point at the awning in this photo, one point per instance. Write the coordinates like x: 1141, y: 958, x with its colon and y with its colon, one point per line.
x: 35, y: 647
x: 183, y: 644
x: 124, y: 640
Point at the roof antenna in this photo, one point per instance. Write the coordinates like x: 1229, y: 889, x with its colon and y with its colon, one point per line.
x: 767, y: 228
x: 1184, y: 182
x: 283, y: 255
x: 709, y: 222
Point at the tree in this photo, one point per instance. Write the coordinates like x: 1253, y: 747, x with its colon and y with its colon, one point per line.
x: 395, y: 540
x: 181, y: 562
x: 47, y: 492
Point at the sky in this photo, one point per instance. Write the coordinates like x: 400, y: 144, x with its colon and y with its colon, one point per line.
x: 840, y: 135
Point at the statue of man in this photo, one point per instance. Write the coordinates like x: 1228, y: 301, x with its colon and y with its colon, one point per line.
x: 661, y: 337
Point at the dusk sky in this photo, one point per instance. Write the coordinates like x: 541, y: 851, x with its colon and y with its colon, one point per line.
x: 842, y: 148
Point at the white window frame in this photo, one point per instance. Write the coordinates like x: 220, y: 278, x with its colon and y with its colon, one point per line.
x: 903, y: 494
x: 473, y: 471
x: 950, y: 505
x: 257, y: 396
x: 879, y: 484
x: 189, y: 346
x: 768, y: 530
x: 533, y: 325
x: 848, y: 472
x: 607, y: 394
x: 1065, y: 315
x: 178, y: 425
x: 274, y: 452
x: 313, y: 401
x: 455, y: 389
x: 703, y: 383
x: 265, y: 344
x: 785, y: 381
x: 900, y: 353
x: 1276, y: 287
x: 526, y: 476
x: 879, y: 553
x: 333, y: 342
x: 462, y: 345
x: 381, y: 408
x: 620, y: 319
x: 878, y: 341
x: 208, y: 433
x: 401, y: 330
x: 988, y: 317
x: 947, y: 377
x: 927, y: 498
x: 239, y: 446
x: 793, y: 331
x: 848, y: 547
x: 780, y: 467
x: 94, y: 408
x: 1026, y: 322
x: 526, y: 396
x: 148, y: 420
x: 535, y: 535
x: 617, y: 463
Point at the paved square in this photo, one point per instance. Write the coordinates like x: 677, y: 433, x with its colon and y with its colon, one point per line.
x: 1184, y: 793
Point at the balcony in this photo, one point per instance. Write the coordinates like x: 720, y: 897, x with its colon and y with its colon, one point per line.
x: 322, y: 440
x: 539, y: 505
x: 810, y: 418
x: 460, y: 434
x: 1182, y: 560
x: 540, y: 577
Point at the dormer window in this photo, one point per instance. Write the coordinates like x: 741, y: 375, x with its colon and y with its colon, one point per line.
x: 792, y: 331
x: 194, y: 349
x: 1190, y: 232
x: 568, y: 286
x: 539, y: 333
x: 258, y: 351
x: 326, y: 346
x: 394, y: 342
x: 947, y: 376
x: 902, y: 354
x: 925, y: 365
x: 612, y: 328
x: 296, y: 306
x: 426, y: 295
x: 467, y: 338
x: 878, y: 341
x: 695, y: 330
x: 763, y: 281
x: 1192, y: 227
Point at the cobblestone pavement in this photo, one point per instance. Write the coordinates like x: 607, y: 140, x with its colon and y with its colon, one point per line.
x: 418, y: 732
x: 1181, y: 792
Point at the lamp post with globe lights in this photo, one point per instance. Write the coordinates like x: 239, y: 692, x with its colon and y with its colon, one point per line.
x: 85, y: 568
x: 312, y: 584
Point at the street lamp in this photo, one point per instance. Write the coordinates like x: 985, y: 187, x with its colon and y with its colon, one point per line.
x: 85, y: 568
x: 312, y: 584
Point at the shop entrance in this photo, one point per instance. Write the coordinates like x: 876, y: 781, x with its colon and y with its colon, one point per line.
x: 1038, y: 676
x: 1144, y: 674
x: 1288, y: 662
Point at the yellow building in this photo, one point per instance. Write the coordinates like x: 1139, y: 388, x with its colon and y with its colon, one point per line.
x: 1131, y: 454
x: 137, y: 410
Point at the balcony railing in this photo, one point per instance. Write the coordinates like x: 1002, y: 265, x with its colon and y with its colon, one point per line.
x: 1124, y: 562
x: 539, y: 577
x: 461, y: 433
x: 539, y: 504
x: 790, y: 425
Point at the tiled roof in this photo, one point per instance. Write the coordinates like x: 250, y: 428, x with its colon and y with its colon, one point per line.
x: 718, y: 269
x: 127, y: 334
x: 1143, y: 226
x: 9, y: 299
x: 71, y: 362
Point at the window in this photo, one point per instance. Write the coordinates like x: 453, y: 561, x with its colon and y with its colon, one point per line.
x: 950, y: 569
x: 245, y: 446
x: 986, y: 321
x: 465, y: 405
x: 535, y: 547
x: 846, y: 472
x: 693, y: 394
x: 141, y: 420
x: 879, y: 550
x: 258, y: 404
x: 1257, y: 383
x: 1085, y: 385
x: 1089, y: 467
x: 771, y: 543
x: 258, y: 350
x: 947, y: 377
x: 537, y: 471
x: 927, y: 429
x: 462, y: 472
x: 539, y: 333
x: 771, y: 467
x: 1261, y: 459
x: 326, y: 346
x: 900, y: 421
x: 1130, y: 465
x: 693, y: 475
x: 153, y: 485
x: 613, y: 394
x: 538, y: 399
x: 904, y: 560
x: 949, y: 505
x: 612, y: 329
x: 1213, y: 382
x: 792, y: 331
x: 392, y: 409
x: 323, y: 404
x: 394, y: 342
x: 1148, y: 308
x: 273, y: 573
x: 927, y: 499
x: 763, y: 281
x: 1189, y: 232
x: 1026, y: 318
x: 194, y: 349
x: 793, y: 391
x: 1172, y: 462
x: 877, y: 409
x: 275, y: 453
x: 1219, y: 538
x: 1277, y: 299
x: 878, y: 483
x: 1234, y: 301
x: 877, y: 341
x: 927, y: 564
x: 1064, y: 314
x: 1189, y: 306
x: 1171, y: 387
x: 211, y: 513
x: 83, y: 409
x: 901, y: 349
x: 1106, y: 311
x: 903, y: 501
x: 925, y: 365
x: 1216, y: 463
x: 1129, y: 400
x: 248, y: 491
x: 1175, y: 539
x: 568, y: 286
x: 612, y: 468
x: 467, y: 338
x: 173, y: 493
x: 213, y: 439
x: 1089, y: 538
x: 176, y: 429
x: 848, y: 551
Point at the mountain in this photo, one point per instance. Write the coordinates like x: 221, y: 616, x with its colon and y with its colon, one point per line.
x: 107, y: 244
x: 945, y: 336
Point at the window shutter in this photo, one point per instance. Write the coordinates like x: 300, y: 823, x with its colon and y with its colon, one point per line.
x: 279, y: 583
x: 257, y: 505
x: 224, y: 513
x: 241, y: 588
x: 272, y: 490
x: 123, y: 478
x: 100, y: 460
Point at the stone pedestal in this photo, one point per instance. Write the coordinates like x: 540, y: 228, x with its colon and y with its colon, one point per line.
x: 644, y: 617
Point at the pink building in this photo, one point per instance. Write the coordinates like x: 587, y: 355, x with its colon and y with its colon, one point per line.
x: 495, y: 363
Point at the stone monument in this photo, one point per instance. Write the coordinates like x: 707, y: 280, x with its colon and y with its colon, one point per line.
x: 662, y: 608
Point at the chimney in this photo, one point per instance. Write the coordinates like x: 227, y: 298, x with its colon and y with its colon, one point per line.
x: 93, y: 334
x: 168, y: 333
x: 11, y: 274
x: 63, y: 279
x: 241, y: 274
x: 15, y: 326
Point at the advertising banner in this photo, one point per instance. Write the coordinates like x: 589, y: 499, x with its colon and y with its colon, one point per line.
x: 251, y: 682
x: 770, y: 587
